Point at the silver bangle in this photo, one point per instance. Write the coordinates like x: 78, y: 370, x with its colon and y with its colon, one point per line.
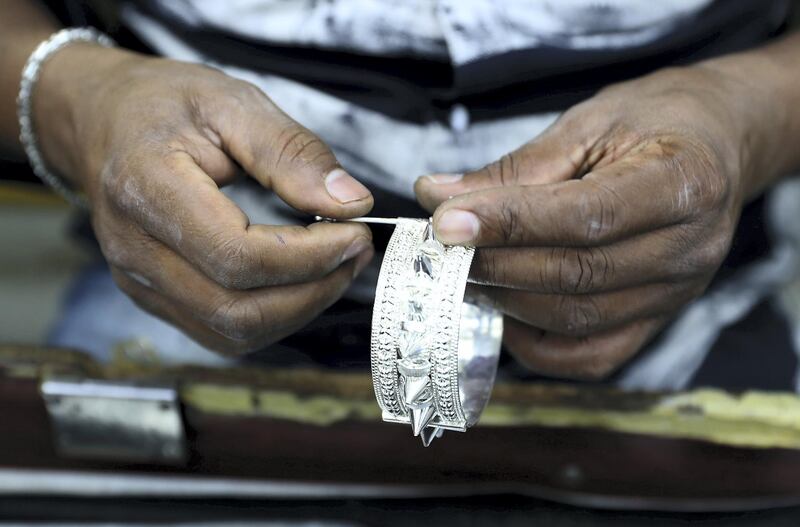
x: 434, y: 354
x: 30, y: 74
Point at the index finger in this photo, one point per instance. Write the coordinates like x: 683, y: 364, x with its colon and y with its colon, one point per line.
x: 182, y: 207
x: 611, y: 203
x: 283, y: 155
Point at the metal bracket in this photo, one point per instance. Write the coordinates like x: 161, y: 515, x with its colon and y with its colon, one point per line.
x: 115, y: 421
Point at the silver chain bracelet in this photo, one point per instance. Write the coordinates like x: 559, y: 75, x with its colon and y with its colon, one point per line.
x: 30, y: 74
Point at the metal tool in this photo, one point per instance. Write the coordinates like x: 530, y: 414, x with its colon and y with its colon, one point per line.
x: 122, y: 421
x: 362, y: 219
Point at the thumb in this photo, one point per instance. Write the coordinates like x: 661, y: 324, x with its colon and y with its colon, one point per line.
x: 553, y: 156
x: 285, y: 156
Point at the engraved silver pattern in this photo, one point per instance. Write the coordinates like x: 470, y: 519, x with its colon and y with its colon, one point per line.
x: 417, y: 339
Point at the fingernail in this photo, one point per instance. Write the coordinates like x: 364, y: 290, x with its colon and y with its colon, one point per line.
x: 440, y: 179
x: 358, y: 246
x: 456, y: 227
x: 362, y: 261
x: 343, y: 187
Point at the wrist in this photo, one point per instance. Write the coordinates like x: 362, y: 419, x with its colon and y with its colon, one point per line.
x: 759, y: 91
x: 67, y: 91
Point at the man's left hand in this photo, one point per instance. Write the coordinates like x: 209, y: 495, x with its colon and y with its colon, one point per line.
x: 598, y: 231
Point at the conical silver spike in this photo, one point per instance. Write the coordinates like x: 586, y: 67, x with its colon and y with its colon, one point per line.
x: 429, y: 433
x: 415, y: 390
x: 420, y: 417
x: 429, y: 234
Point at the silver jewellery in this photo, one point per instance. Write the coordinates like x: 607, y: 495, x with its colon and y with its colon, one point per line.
x: 434, y: 354
x: 30, y: 74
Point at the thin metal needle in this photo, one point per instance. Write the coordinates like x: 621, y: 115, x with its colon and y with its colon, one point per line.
x: 362, y: 219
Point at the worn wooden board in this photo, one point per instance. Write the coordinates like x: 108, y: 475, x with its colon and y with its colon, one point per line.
x: 587, y: 445
x: 322, y: 398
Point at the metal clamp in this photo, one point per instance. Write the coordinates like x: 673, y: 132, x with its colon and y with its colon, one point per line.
x: 115, y: 421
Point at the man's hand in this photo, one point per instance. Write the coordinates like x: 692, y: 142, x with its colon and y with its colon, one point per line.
x: 597, y: 232
x: 150, y: 141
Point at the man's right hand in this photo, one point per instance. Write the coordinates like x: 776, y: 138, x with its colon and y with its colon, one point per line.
x: 150, y: 141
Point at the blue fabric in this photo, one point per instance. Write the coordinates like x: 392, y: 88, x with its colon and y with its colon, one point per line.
x: 97, y: 316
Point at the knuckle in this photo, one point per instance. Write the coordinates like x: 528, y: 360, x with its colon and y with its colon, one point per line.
x: 707, y: 256
x: 237, y: 318
x: 577, y: 270
x: 682, y: 252
x: 484, y: 267
x: 251, y: 92
x: 230, y: 262
x: 595, y: 217
x: 508, y: 224
x: 240, y: 96
x: 695, y: 253
x: 296, y: 145
x: 504, y: 171
x: 115, y: 252
x: 490, y: 268
x: 565, y: 269
x: 554, y: 270
x: 577, y: 316
x: 703, y: 183
x: 597, y: 269
x: 130, y: 180
x: 116, y: 188
x: 124, y: 250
